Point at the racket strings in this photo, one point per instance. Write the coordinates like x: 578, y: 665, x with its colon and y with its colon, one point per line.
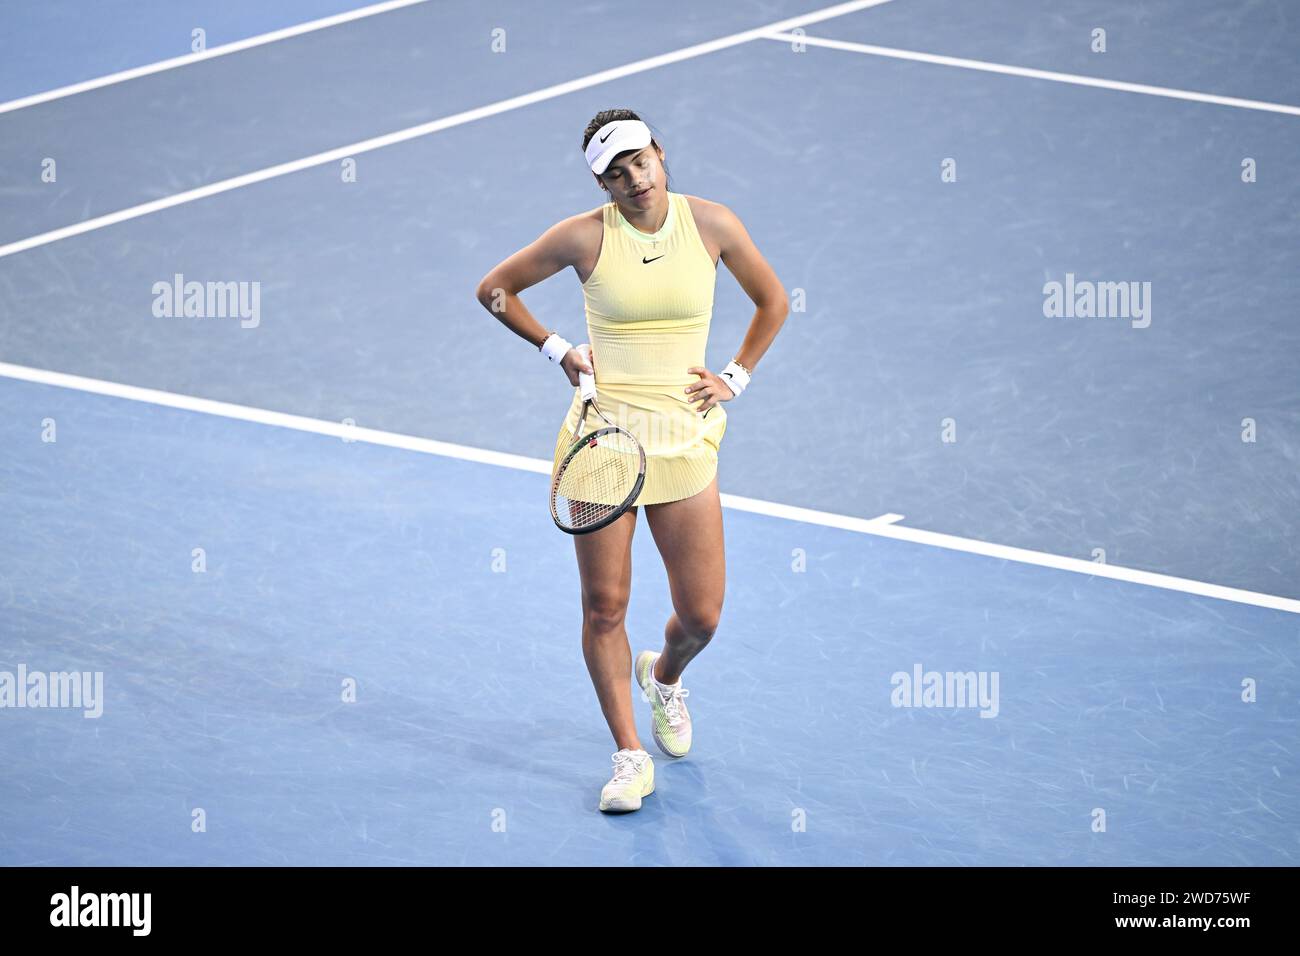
x: 597, y: 479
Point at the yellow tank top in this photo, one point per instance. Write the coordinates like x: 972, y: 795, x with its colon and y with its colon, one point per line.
x: 650, y: 300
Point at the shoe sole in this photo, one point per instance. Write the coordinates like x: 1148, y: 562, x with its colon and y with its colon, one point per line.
x: 612, y: 808
x: 668, y: 753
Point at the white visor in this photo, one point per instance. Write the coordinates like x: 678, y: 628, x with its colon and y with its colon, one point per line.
x: 614, y: 138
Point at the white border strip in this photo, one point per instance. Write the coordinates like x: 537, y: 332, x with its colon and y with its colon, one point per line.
x: 1074, y: 78
x: 188, y: 58
x: 424, y: 129
x: 263, y: 416
x: 886, y: 529
x: 883, y: 525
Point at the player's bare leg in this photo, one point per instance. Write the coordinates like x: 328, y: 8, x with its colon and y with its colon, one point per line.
x: 605, y: 566
x: 688, y: 534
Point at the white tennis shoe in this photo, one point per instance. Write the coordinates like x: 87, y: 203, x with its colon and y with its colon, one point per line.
x: 634, y: 778
x: 668, y: 713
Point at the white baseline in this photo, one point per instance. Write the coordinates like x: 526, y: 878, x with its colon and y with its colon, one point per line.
x: 884, y: 526
x: 424, y: 129
x: 1024, y: 71
x: 185, y: 60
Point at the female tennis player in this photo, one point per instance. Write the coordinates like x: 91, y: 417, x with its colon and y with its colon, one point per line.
x: 647, y: 260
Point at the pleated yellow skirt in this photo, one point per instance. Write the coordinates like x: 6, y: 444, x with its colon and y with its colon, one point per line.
x: 681, y: 445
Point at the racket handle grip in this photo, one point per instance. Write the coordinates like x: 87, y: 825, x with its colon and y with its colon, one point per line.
x: 586, y: 383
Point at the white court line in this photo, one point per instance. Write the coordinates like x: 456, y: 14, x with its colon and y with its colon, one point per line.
x: 886, y: 529
x: 1076, y: 79
x: 188, y: 58
x: 882, y: 526
x: 424, y: 129
x: 264, y: 417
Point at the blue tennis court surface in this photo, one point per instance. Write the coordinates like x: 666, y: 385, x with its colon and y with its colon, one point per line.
x: 341, y: 652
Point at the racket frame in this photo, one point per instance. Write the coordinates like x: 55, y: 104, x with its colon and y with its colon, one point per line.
x: 587, y: 388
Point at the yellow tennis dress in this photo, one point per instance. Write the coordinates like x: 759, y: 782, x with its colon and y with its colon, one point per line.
x: 649, y: 304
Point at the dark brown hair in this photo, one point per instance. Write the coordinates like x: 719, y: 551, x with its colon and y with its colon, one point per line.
x: 609, y: 116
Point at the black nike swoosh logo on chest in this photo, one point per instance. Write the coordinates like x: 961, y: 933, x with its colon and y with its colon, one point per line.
x: 645, y: 261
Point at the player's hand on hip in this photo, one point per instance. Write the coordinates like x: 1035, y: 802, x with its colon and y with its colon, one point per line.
x: 708, y: 391
x: 573, y: 363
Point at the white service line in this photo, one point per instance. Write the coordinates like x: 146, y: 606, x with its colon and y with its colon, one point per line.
x: 886, y: 529
x: 424, y: 129
x: 263, y: 416
x: 1074, y: 78
x: 188, y: 58
x: 882, y: 526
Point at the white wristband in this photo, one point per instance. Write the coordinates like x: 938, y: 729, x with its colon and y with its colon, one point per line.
x: 556, y: 347
x: 735, y: 377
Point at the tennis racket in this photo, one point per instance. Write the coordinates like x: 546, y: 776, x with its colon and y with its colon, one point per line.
x: 602, y: 472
